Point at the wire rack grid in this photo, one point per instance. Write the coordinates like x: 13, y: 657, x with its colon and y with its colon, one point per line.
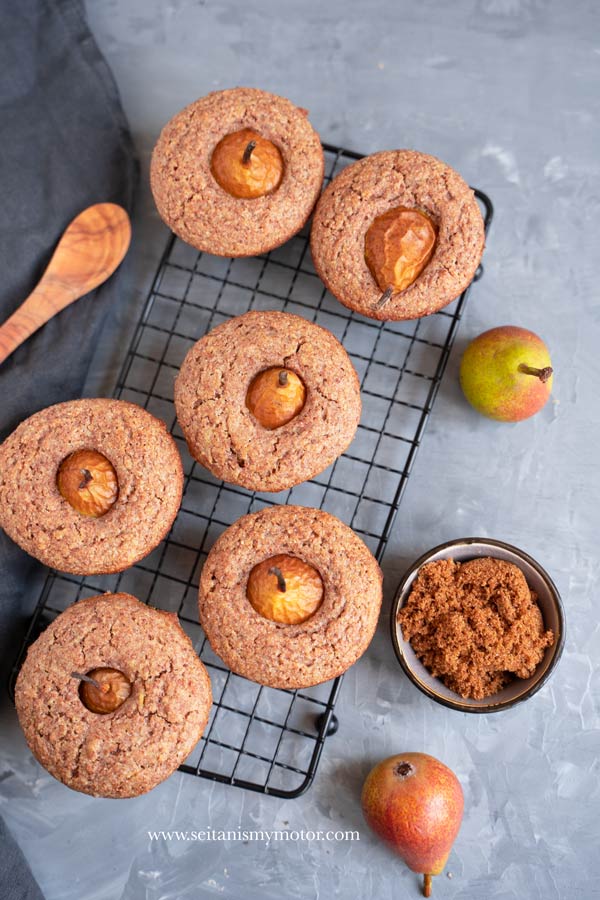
x: 259, y: 738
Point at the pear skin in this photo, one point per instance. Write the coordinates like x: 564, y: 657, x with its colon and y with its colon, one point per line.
x: 506, y: 373
x: 275, y: 397
x: 247, y: 165
x: 415, y: 804
x: 285, y: 589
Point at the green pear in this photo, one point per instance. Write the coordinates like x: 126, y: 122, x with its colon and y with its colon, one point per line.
x: 506, y: 373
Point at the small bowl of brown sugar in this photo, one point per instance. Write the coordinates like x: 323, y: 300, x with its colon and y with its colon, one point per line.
x: 478, y: 625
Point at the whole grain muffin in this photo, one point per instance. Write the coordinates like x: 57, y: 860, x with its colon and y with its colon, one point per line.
x: 184, y: 178
x: 254, y: 367
x: 160, y: 715
x: 89, y: 486
x: 289, y: 550
x: 375, y: 188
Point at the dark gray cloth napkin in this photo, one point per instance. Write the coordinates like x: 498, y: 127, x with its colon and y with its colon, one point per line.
x: 64, y: 145
x: 16, y: 880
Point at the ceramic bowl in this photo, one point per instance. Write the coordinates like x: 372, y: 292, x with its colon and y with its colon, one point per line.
x: 550, y: 605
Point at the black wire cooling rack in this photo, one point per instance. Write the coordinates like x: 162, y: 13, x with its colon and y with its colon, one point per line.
x: 259, y: 738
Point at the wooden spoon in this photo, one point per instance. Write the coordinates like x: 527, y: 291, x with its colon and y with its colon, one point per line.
x: 90, y: 250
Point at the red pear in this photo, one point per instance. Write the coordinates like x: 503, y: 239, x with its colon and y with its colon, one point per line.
x: 415, y: 803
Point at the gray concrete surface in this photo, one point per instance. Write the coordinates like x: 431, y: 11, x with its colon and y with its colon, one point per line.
x: 507, y: 91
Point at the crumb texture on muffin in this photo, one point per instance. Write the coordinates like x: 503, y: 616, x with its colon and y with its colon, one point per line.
x: 199, y: 210
x: 368, y: 189
x: 221, y: 432
x: 129, y: 751
x: 41, y: 521
x: 298, y: 655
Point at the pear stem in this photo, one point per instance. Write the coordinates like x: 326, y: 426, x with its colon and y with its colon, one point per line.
x: 248, y: 152
x: 385, y: 297
x: 427, y: 885
x: 281, y: 585
x: 87, y: 477
x: 101, y: 687
x: 543, y: 374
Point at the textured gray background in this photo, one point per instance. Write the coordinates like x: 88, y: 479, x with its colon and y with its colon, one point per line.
x: 507, y: 91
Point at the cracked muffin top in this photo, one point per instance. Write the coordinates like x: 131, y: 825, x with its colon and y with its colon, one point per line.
x: 238, y: 172
x: 131, y: 749
x: 89, y: 486
x: 267, y: 400
x: 262, y: 571
x: 397, y: 235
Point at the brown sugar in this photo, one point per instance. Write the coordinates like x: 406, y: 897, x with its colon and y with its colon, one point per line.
x: 474, y: 625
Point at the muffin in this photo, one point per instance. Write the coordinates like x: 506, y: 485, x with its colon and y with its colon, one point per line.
x: 112, y: 697
x: 397, y: 235
x: 89, y: 486
x: 238, y: 172
x: 289, y: 597
x: 267, y: 400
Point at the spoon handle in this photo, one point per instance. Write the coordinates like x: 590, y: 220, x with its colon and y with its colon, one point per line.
x: 48, y: 298
x: 92, y: 246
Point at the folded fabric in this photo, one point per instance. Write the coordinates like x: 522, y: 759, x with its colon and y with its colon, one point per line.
x: 16, y: 880
x: 65, y: 145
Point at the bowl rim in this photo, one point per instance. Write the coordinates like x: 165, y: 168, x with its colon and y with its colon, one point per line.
x: 457, y: 704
